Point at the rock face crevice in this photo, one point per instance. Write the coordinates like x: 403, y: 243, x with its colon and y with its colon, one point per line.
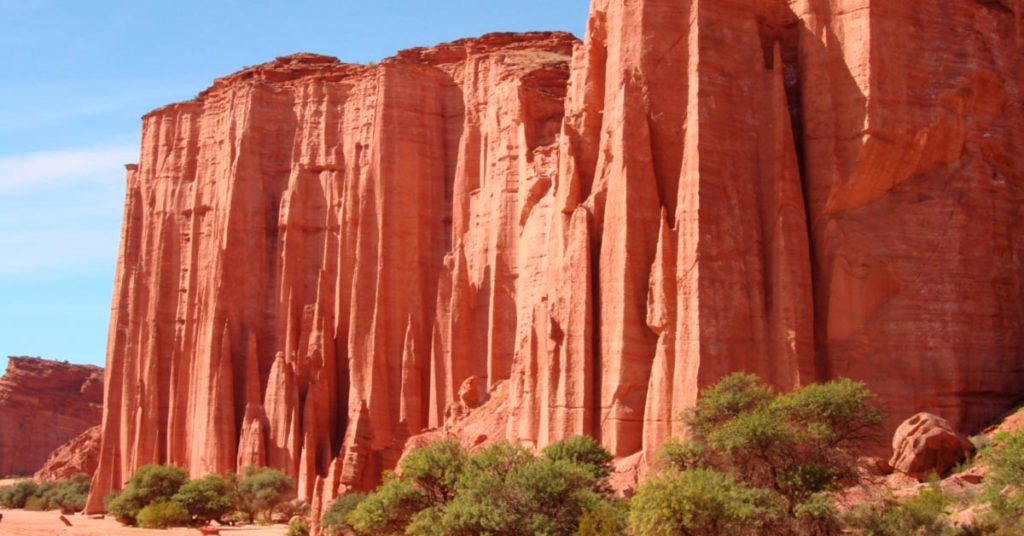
x: 527, y: 237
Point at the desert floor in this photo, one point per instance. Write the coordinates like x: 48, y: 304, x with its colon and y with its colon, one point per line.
x: 22, y: 523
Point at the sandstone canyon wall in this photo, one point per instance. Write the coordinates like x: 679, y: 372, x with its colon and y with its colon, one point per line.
x: 43, y: 404
x: 529, y: 237
x: 79, y: 455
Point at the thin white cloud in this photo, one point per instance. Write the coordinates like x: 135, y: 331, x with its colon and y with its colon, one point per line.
x: 43, y: 170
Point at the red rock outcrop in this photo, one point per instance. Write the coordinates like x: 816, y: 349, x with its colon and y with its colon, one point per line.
x: 927, y: 445
x: 80, y: 455
x: 529, y: 237
x: 43, y: 404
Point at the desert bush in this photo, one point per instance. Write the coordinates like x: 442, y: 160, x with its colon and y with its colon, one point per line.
x: 503, y: 489
x: 294, y: 508
x: 149, y: 484
x: 435, y: 468
x: 207, y: 499
x: 582, y: 450
x: 796, y: 444
x: 335, y: 519
x: 507, y: 490
x: 699, y: 502
x: 607, y: 518
x: 429, y: 476
x: 163, y: 514
x: 36, y: 504
x: 816, y: 516
x: 70, y: 495
x: 262, y: 490
x: 796, y: 447
x: 923, y: 514
x: 298, y: 527
x: 17, y: 494
x: 390, y: 508
x: 1006, y: 475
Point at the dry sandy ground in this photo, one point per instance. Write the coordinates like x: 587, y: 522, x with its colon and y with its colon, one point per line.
x: 22, y: 523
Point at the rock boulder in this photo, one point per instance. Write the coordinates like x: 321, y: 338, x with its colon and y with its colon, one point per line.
x: 927, y: 444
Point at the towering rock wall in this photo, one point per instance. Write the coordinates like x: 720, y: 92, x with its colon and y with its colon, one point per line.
x: 529, y: 237
x: 43, y: 404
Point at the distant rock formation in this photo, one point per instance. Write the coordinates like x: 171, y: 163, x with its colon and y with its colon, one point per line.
x: 80, y: 455
x: 525, y: 236
x: 43, y: 404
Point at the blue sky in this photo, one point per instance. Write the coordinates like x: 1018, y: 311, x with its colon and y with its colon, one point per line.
x: 75, y: 77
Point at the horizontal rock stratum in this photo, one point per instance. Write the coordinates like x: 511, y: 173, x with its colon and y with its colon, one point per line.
x: 43, y: 404
x: 525, y: 236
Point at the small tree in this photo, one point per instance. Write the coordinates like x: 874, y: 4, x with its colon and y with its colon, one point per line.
x: 261, y: 490
x: 507, y: 490
x: 207, y: 499
x: 584, y: 451
x: 797, y: 444
x: 150, y: 484
x: 435, y: 468
x: 389, y: 509
x: 700, y: 502
x: 335, y: 520
x: 503, y: 489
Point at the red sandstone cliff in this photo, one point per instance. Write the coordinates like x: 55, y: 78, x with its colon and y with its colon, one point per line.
x: 528, y: 237
x: 43, y: 404
x: 79, y: 455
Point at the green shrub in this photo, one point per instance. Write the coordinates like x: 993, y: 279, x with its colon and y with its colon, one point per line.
x: 921, y: 514
x: 335, y: 519
x: 606, y: 518
x: 816, y: 516
x: 730, y: 397
x: 207, y: 499
x: 794, y: 447
x: 681, y: 455
x: 298, y: 527
x: 582, y: 450
x: 539, y: 497
x: 16, y: 495
x: 797, y: 444
x: 150, y: 484
x: 1006, y: 475
x: 700, y: 502
x: 294, y: 508
x: 70, y: 496
x: 503, y: 489
x: 163, y: 514
x: 36, y: 504
x: 390, y: 508
x: 507, y: 490
x: 435, y: 468
x: 262, y: 490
